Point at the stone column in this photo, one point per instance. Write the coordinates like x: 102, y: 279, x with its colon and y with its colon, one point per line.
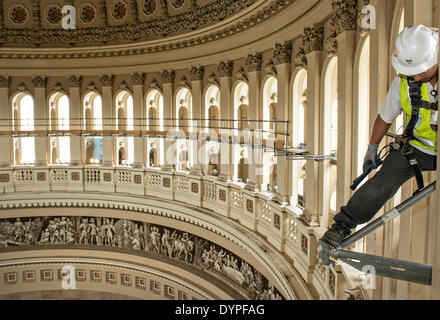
x: 5, y: 121
x: 108, y: 122
x: 253, y: 68
x: 282, y: 58
x: 169, y: 124
x: 75, y: 119
x: 139, y: 119
x: 197, y: 145
x: 41, y: 113
x: 346, y: 52
x: 315, y: 193
x: 226, y: 149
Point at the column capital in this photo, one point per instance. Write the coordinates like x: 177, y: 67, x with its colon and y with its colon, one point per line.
x: 253, y: 62
x: 224, y: 69
x: 107, y: 80
x: 5, y: 81
x: 197, y: 73
x: 75, y: 81
x: 312, y: 40
x: 344, y: 15
x: 138, y: 78
x: 167, y: 76
x: 39, y: 81
x: 282, y: 53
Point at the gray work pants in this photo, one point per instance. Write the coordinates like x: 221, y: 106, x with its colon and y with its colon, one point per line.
x: 371, y: 196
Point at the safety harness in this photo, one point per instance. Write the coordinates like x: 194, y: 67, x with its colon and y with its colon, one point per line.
x: 415, y: 94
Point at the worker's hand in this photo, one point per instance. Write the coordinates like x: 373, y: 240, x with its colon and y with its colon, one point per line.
x: 371, y: 158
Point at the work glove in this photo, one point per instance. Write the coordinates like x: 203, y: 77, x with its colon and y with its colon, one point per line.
x: 371, y: 158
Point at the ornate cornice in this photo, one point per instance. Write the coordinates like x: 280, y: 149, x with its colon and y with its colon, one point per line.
x: 39, y: 81
x: 167, y: 76
x: 282, y: 53
x: 197, y: 73
x: 253, y: 62
x: 101, y: 35
x: 138, y: 78
x: 224, y: 69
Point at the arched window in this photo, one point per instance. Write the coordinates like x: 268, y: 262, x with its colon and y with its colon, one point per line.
x: 125, y: 122
x: 92, y: 113
x: 184, y: 123
x: 269, y: 99
x: 154, y: 111
x: 298, y: 122
x: 59, y: 120
x: 330, y: 137
x: 23, y: 111
x: 363, y: 115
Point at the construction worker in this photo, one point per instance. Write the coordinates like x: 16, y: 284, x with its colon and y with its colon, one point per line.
x: 414, y: 92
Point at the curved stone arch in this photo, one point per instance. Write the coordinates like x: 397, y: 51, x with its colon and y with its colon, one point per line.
x: 361, y: 101
x: 88, y: 97
x: 330, y: 61
x: 211, y: 98
x: 154, y: 211
x: 154, y: 95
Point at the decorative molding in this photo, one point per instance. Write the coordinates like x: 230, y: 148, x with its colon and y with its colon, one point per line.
x: 39, y: 81
x: 253, y: 62
x: 36, y: 14
x: 103, y: 34
x: 270, y: 69
x: 138, y: 78
x: 224, y: 69
x: 212, y: 79
x: 75, y: 81
x: 123, y: 85
x: 242, y: 75
x: 128, y: 234
x: 107, y: 80
x: 183, y: 82
x: 167, y: 76
x: 197, y: 73
x: 155, y: 85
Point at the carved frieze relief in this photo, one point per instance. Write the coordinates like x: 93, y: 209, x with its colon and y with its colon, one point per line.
x: 133, y: 235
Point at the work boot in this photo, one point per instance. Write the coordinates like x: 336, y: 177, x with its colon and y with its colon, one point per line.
x: 335, y: 235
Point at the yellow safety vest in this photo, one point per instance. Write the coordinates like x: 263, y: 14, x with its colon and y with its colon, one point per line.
x: 425, y: 136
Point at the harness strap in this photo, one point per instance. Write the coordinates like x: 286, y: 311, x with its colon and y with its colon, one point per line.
x: 408, y: 152
x: 415, y: 93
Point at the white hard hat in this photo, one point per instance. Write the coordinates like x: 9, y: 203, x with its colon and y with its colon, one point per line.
x: 416, y: 50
